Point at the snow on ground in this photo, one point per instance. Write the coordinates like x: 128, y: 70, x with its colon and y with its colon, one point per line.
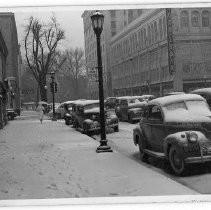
x: 52, y: 160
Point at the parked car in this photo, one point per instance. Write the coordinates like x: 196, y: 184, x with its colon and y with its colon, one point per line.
x: 50, y: 114
x: 11, y: 113
x: 205, y: 93
x: 68, y: 112
x: 46, y: 106
x: 130, y: 108
x: 86, y: 117
x: 111, y: 102
x: 175, y: 128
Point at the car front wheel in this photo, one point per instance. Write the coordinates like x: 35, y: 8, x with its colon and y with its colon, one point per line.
x: 176, y: 161
x: 67, y: 121
x: 130, y: 119
x: 116, y: 129
x: 86, y: 130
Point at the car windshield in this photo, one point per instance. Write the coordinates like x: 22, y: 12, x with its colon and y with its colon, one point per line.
x: 91, y: 106
x: 194, y: 106
x: 199, y: 107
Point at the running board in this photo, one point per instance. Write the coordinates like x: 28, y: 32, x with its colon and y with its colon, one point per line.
x: 155, y: 154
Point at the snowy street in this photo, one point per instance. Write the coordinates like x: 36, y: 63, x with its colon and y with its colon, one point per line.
x: 52, y: 160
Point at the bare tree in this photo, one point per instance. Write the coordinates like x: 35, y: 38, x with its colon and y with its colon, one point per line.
x: 74, y: 68
x: 41, y: 42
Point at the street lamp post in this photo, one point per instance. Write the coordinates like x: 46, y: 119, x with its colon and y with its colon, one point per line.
x: 97, y: 24
x: 53, y: 93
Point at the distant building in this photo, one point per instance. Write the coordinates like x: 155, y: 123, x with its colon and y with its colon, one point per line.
x: 139, y: 53
x: 114, y: 21
x: 13, y: 64
x: 3, y: 88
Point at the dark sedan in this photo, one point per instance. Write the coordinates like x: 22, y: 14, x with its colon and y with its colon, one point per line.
x: 86, y: 117
x: 176, y: 128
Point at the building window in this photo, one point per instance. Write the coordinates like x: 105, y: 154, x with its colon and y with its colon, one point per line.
x: 184, y: 19
x: 140, y: 11
x: 195, y: 19
x: 164, y: 26
x: 149, y: 34
x: 156, y: 31
x: 130, y: 15
x: 113, y: 24
x: 113, y: 13
x: 160, y: 29
x: 152, y: 33
x: 205, y: 18
x: 145, y: 37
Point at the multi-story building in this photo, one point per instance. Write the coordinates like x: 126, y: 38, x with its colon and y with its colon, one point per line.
x: 139, y: 53
x: 9, y: 33
x: 3, y: 89
x: 114, y: 21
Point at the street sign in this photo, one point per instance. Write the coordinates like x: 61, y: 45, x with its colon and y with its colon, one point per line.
x: 170, y: 40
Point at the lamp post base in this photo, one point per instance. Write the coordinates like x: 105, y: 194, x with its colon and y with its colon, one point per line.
x: 103, y: 147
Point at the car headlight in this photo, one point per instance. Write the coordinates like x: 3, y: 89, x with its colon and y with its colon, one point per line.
x: 192, y: 137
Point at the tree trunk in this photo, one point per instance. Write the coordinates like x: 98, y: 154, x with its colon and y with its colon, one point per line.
x: 77, y: 93
x: 43, y: 90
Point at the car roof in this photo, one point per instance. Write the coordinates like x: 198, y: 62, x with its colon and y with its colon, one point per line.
x: 68, y: 102
x: 202, y: 90
x: 174, y: 93
x: 134, y: 97
x: 85, y: 102
x: 162, y: 101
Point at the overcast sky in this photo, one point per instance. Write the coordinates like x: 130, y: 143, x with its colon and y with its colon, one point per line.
x: 70, y: 21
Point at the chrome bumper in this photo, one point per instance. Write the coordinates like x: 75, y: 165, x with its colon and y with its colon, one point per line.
x: 206, y: 158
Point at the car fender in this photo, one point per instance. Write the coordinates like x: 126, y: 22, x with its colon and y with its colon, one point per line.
x: 179, y: 139
x: 137, y: 131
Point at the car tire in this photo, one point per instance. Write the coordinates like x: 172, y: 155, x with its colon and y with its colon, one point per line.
x: 177, y: 163
x: 116, y: 129
x: 67, y: 122
x: 58, y: 115
x: 143, y: 155
x: 85, y: 130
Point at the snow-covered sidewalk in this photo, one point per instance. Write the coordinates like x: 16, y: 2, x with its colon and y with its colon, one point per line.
x: 52, y: 160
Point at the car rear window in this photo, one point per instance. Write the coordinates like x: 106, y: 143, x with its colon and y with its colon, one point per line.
x: 174, y: 106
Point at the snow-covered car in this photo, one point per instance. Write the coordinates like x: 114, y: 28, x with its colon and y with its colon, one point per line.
x: 86, y: 117
x: 111, y: 102
x: 50, y: 114
x: 205, y: 93
x: 68, y: 112
x: 176, y: 128
x: 130, y: 108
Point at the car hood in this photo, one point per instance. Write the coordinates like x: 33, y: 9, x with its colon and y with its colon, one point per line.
x: 137, y: 105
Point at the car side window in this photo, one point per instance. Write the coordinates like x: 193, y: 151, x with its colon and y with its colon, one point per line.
x: 123, y: 102
x: 146, y: 113
x: 155, y: 113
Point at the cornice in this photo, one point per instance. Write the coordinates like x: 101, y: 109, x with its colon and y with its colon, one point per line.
x: 133, y: 25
